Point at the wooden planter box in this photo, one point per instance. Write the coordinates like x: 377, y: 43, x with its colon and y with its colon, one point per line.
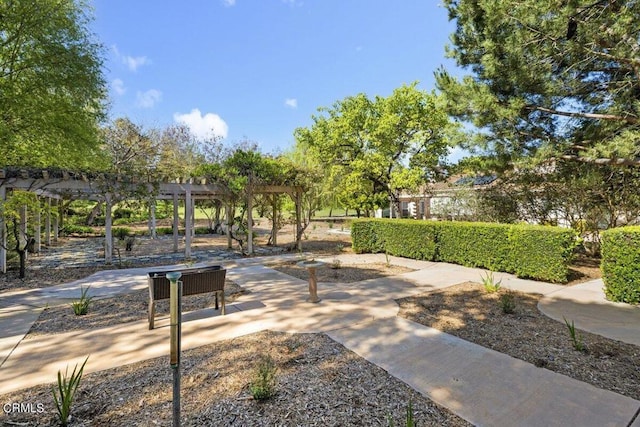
x: 194, y: 281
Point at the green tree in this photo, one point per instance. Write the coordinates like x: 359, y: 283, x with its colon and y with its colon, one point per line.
x: 52, y: 89
x: 550, y: 78
x: 374, y: 140
x: 129, y: 149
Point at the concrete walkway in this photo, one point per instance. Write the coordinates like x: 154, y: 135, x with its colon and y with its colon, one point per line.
x: 480, y: 385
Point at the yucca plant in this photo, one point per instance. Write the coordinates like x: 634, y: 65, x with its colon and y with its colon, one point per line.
x: 576, y: 340
x: 490, y: 285
x: 67, y: 386
x: 409, y: 420
x: 81, y: 306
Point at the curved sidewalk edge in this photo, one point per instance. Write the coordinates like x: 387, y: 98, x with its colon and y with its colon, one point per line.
x: 483, y: 386
x: 586, y: 305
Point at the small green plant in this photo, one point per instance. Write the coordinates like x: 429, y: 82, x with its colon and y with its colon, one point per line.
x: 67, y: 386
x: 490, y: 285
x: 263, y: 385
x: 339, y: 247
x: 507, y: 302
x: 335, y: 264
x: 576, y: 340
x: 81, y: 306
x: 409, y: 420
x: 330, y: 223
x: 386, y: 256
x: 121, y: 232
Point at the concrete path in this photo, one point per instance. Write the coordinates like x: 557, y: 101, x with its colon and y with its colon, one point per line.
x: 586, y: 305
x: 481, y: 385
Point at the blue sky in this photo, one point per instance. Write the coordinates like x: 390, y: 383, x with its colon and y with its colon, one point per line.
x: 258, y: 69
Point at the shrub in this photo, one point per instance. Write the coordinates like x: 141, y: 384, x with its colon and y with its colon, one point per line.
x: 69, y: 229
x: 164, y: 231
x: 81, y: 306
x: 67, y: 386
x: 536, y: 252
x: 490, y: 285
x: 263, y: 385
x: 541, y: 252
x: 621, y: 264
x: 121, y: 232
x: 576, y: 340
x: 507, y: 302
x: 474, y: 244
x: 365, y: 238
x: 408, y: 238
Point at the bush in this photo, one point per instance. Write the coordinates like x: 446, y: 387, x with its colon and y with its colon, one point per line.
x: 263, y: 385
x: 474, y: 244
x: 621, y: 264
x: 541, y: 252
x: 81, y: 230
x: 408, y: 238
x: 164, y: 231
x: 121, y: 232
x: 365, y: 237
x: 535, y: 252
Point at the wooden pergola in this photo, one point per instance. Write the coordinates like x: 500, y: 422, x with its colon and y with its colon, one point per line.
x: 55, y: 185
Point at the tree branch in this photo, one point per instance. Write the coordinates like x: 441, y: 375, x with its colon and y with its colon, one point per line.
x: 630, y: 120
x: 601, y: 161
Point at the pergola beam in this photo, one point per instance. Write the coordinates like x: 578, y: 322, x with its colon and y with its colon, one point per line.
x: 55, y: 185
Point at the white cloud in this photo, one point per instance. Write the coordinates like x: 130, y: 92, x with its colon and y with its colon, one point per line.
x: 148, y: 99
x: 229, y: 3
x: 291, y: 102
x: 118, y: 86
x: 132, y: 62
x: 203, y: 127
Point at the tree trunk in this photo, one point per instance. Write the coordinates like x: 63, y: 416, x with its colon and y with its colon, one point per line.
x: 22, y: 251
x: 97, y: 210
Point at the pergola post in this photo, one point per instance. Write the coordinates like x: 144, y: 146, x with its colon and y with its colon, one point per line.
x: 23, y: 229
x: 38, y: 228
x: 298, y: 219
x: 176, y: 222
x: 3, y: 233
x: 274, y: 222
x: 188, y: 225
x: 227, y: 209
x: 152, y: 218
x: 193, y: 217
x: 56, y: 221
x: 47, y: 224
x: 108, y: 235
x: 249, y: 219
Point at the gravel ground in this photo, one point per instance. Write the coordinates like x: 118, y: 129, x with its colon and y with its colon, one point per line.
x: 319, y: 382
x: 469, y: 312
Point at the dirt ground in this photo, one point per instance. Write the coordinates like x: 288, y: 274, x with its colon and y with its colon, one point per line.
x: 319, y: 382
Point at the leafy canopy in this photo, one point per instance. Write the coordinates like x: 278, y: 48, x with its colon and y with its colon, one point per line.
x: 551, y: 78
x: 380, y: 145
x: 52, y: 90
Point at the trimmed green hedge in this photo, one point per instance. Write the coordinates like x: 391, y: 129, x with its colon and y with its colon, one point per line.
x: 621, y: 264
x: 483, y: 245
x: 541, y: 252
x: 536, y: 252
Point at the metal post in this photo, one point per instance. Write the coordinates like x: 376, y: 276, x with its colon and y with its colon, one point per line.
x: 175, y: 310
